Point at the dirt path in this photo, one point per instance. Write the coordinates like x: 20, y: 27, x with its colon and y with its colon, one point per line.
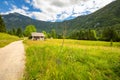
x: 12, y: 61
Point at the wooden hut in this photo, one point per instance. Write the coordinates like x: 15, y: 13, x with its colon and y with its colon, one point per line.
x: 37, y: 36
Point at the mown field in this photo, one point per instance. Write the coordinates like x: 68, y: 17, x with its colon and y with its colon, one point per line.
x: 76, y: 60
x: 6, y: 39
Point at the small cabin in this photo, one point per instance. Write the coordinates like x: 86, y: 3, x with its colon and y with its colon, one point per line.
x: 37, y: 36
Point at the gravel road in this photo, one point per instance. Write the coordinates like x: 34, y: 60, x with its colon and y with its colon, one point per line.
x: 12, y: 61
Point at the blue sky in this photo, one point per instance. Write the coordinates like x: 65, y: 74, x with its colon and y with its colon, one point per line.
x: 52, y: 10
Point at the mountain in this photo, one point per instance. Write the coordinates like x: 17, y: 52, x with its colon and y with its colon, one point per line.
x: 107, y: 16
x: 15, y: 20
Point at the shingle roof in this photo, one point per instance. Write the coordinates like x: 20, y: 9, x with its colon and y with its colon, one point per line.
x: 37, y: 34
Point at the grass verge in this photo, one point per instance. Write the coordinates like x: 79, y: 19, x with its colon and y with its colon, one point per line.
x: 6, y: 39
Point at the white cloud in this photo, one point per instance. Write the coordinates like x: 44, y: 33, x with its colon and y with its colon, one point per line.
x: 52, y: 7
x: 16, y: 9
x: 13, y: 6
x: 27, y: 1
x: 25, y: 8
x: 39, y: 16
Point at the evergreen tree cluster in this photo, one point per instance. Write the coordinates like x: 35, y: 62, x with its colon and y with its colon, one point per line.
x: 84, y: 35
x: 110, y: 34
x: 2, y: 25
x: 18, y: 32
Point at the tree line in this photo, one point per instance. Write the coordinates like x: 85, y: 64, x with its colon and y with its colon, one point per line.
x: 107, y: 34
x: 29, y: 29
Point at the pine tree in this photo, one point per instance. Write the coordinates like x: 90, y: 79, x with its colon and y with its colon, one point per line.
x: 13, y: 31
x: 92, y: 35
x: 110, y: 34
x: 53, y: 33
x: 2, y: 25
x: 19, y: 32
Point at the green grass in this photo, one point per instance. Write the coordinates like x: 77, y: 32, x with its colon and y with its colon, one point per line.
x: 77, y: 60
x: 6, y: 39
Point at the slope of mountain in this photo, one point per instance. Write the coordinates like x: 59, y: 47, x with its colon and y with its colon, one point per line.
x: 107, y: 16
x: 15, y: 20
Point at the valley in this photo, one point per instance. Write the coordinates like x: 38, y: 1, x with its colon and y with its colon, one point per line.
x: 84, y: 48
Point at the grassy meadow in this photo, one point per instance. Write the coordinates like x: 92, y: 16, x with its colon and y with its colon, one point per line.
x: 76, y: 60
x: 6, y: 39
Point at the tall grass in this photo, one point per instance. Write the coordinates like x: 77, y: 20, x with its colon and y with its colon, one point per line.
x: 6, y: 39
x: 78, y: 60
